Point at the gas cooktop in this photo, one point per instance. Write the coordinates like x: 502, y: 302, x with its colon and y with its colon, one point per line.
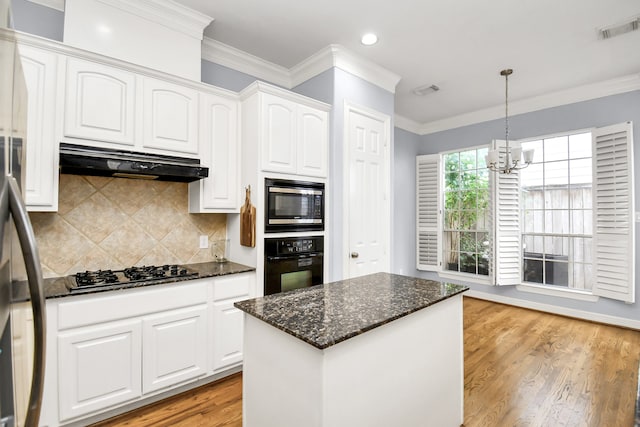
x: 111, y: 278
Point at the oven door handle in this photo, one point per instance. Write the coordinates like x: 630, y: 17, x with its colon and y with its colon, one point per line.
x: 292, y: 257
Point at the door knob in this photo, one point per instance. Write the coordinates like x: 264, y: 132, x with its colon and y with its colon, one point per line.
x: 355, y: 254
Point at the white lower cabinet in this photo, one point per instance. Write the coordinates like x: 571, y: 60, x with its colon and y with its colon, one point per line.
x: 227, y: 321
x: 174, y: 348
x: 115, y: 349
x: 98, y: 366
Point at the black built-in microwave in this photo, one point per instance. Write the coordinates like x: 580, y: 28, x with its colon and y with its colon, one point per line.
x: 293, y: 206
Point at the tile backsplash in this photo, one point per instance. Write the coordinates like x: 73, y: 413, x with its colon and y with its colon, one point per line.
x: 113, y: 223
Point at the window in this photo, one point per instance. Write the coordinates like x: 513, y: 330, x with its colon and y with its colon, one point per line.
x: 466, y: 200
x: 556, y: 203
x: 565, y: 222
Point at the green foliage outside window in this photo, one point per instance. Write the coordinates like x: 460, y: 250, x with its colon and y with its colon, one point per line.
x: 466, y: 200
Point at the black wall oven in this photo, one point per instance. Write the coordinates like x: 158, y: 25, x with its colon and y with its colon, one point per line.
x: 293, y: 206
x: 292, y: 263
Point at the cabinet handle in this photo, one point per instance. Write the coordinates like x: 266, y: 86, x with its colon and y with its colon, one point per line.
x: 355, y: 254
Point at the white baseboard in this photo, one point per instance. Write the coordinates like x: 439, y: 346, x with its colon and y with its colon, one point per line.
x: 554, y: 309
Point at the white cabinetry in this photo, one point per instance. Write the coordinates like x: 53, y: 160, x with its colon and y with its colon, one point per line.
x: 99, y: 366
x: 220, y: 151
x: 40, y: 71
x: 117, y: 108
x: 174, y: 347
x: 293, y: 130
x: 100, y: 103
x: 116, y: 349
x: 227, y: 321
x: 313, y: 130
x: 278, y: 129
x: 170, y: 118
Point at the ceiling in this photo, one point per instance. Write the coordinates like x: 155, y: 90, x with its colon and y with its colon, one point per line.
x: 460, y: 46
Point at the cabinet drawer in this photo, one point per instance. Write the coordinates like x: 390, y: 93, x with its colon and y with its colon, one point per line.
x: 237, y: 285
x: 104, y: 307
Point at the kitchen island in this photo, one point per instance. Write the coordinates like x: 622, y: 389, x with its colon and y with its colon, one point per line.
x: 377, y: 350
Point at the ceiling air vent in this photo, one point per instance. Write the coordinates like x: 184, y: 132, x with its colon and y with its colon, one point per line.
x: 631, y: 24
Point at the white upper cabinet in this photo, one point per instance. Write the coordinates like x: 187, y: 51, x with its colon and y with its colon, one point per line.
x: 220, y: 151
x: 279, y: 134
x: 170, y: 117
x: 100, y: 103
x: 40, y: 71
x: 312, y: 141
x: 293, y: 133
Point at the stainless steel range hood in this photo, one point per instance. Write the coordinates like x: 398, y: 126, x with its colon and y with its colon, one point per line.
x: 83, y: 160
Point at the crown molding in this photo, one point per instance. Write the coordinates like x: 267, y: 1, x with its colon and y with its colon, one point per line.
x: 407, y: 124
x: 337, y: 56
x: 615, y: 86
x: 222, y: 54
x: 53, y: 4
x: 325, y: 59
x: 167, y: 13
x: 263, y: 87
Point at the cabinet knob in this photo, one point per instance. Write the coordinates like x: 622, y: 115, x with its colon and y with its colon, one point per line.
x: 355, y: 254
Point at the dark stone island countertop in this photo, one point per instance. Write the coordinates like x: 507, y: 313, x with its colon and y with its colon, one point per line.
x: 327, y: 314
x: 60, y: 287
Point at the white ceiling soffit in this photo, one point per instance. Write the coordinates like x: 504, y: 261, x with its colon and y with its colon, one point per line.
x: 569, y: 96
x: 53, y: 4
x: 331, y: 56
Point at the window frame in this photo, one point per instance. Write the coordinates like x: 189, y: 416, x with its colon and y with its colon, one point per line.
x: 546, y: 289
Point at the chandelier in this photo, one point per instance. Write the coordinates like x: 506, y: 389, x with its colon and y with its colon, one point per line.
x: 514, y: 157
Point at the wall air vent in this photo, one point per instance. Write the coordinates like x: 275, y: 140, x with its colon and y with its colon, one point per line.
x: 631, y: 24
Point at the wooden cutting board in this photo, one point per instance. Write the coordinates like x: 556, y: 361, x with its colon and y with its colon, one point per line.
x: 248, y: 221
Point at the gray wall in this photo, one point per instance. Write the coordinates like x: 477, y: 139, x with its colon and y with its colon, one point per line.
x: 343, y: 86
x: 224, y: 77
x: 36, y: 19
x: 404, y: 206
x: 594, y: 113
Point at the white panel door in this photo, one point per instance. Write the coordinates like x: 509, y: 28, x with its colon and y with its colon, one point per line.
x: 220, y: 152
x: 228, y: 326
x: 40, y: 71
x: 312, y: 141
x: 367, y: 203
x: 98, y: 367
x: 99, y: 103
x: 175, y: 346
x: 278, y: 130
x: 170, y: 118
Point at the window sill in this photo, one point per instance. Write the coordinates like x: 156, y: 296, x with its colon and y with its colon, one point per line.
x: 562, y: 293
x: 464, y: 277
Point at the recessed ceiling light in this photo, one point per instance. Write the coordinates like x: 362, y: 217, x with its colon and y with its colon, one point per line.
x: 369, y: 39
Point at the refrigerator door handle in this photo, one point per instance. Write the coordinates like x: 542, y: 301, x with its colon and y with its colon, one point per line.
x: 34, y: 276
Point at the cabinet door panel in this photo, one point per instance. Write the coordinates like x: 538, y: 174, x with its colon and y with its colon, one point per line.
x: 175, y: 346
x: 228, y: 324
x: 220, y: 152
x: 312, y: 140
x: 99, y: 366
x: 278, y: 135
x: 99, y: 103
x: 40, y: 70
x: 170, y: 117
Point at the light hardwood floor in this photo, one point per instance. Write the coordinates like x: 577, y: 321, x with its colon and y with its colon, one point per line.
x: 522, y: 368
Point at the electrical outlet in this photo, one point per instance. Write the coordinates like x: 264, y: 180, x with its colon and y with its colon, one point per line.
x: 204, y: 241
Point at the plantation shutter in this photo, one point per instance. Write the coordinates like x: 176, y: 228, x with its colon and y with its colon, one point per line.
x: 427, y: 212
x: 505, y: 266
x: 614, y: 228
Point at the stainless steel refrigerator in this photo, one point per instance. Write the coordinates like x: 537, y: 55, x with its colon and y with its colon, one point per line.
x: 21, y: 375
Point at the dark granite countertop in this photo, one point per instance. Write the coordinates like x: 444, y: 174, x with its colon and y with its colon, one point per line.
x: 327, y: 314
x: 59, y: 287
